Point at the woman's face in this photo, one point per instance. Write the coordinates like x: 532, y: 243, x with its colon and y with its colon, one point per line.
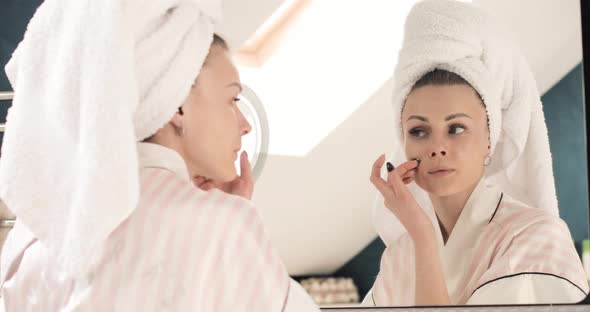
x: 212, y: 122
x: 445, y: 126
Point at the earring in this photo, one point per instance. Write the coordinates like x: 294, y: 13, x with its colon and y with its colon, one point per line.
x: 487, y: 161
x: 180, y: 131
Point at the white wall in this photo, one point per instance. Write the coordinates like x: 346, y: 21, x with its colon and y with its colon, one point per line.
x: 317, y: 208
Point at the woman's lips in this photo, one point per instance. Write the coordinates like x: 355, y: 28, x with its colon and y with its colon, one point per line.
x: 439, y: 172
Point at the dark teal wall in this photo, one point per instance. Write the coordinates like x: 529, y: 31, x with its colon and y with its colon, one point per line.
x: 564, y: 113
x: 14, y: 17
x: 364, y: 267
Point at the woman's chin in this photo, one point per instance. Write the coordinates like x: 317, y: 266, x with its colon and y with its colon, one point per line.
x: 229, y: 174
x: 438, y: 189
x: 223, y: 175
x: 446, y: 188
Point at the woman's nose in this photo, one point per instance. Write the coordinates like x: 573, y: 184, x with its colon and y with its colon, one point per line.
x: 439, y: 148
x: 440, y: 152
x: 247, y: 129
x: 244, y: 125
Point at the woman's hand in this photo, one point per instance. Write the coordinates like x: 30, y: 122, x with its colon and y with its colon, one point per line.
x: 430, y: 286
x: 399, y: 200
x: 242, y: 185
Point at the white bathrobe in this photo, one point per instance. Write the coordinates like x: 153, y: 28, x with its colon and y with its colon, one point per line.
x: 182, y: 249
x: 499, y: 252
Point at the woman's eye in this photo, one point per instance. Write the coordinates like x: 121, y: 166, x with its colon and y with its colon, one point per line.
x: 456, y: 129
x: 417, y: 132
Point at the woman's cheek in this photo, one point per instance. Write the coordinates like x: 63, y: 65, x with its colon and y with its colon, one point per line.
x: 413, y: 149
x: 467, y: 155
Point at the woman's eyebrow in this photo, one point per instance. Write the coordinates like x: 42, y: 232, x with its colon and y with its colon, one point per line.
x: 418, y: 117
x: 235, y: 84
x: 453, y: 116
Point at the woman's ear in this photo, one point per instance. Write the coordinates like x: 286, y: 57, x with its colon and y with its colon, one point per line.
x: 177, y: 119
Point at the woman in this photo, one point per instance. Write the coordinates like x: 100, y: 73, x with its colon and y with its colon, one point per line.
x: 480, y: 223
x: 110, y: 224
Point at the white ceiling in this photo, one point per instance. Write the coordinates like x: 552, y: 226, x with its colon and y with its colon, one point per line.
x: 241, y: 18
x: 317, y: 206
x: 548, y: 31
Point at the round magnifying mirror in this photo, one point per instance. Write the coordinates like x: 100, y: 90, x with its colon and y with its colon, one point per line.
x: 254, y: 143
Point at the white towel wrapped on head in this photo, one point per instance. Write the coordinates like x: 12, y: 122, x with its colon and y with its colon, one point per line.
x: 91, y: 78
x: 463, y: 39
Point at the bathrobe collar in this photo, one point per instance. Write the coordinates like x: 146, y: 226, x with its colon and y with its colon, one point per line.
x: 458, y: 252
x: 157, y: 156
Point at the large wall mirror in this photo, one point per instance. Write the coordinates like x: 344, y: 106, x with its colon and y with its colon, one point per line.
x: 319, y: 79
x: 326, y: 83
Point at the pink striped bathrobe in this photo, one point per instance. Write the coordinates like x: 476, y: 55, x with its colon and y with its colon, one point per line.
x: 499, y: 252
x: 182, y: 249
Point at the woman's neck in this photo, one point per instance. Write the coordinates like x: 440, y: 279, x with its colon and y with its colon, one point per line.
x: 167, y: 138
x: 448, y: 209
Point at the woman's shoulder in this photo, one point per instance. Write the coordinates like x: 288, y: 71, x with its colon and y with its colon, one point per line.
x: 174, y: 213
x: 517, y: 215
x: 160, y: 187
x: 531, y: 240
x: 168, y: 202
x: 527, y: 233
